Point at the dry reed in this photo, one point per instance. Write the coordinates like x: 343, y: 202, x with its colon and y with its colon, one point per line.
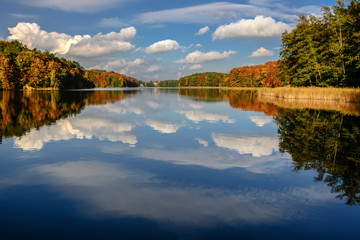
x: 313, y: 93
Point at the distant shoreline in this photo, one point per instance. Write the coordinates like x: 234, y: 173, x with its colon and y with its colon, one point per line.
x: 285, y: 93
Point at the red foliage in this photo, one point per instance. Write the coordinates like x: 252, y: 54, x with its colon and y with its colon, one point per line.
x: 255, y: 76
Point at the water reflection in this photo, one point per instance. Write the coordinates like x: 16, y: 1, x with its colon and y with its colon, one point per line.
x: 190, y: 157
x: 327, y: 142
x: 22, y: 111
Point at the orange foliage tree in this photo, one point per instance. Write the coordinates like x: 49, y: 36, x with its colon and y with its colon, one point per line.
x: 255, y: 76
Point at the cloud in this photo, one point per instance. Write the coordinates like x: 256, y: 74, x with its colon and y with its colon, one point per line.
x: 220, y: 12
x: 209, y: 158
x: 202, y: 142
x: 79, y: 128
x: 259, y: 27
x: 198, y: 116
x: 21, y: 15
x: 256, y: 146
x: 163, y: 126
x: 77, y: 46
x: 196, y: 67
x: 111, y: 22
x: 195, y: 105
x: 208, y: 13
x: 73, y: 6
x: 103, y: 187
x: 119, y: 65
x: 260, y: 121
x: 163, y: 46
x: 200, y: 57
x: 262, y: 52
x: 153, y: 68
x: 203, y: 30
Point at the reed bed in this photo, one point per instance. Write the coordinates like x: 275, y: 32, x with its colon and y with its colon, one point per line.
x: 351, y: 95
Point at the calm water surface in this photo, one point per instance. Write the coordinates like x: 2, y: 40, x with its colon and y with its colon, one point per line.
x: 175, y: 164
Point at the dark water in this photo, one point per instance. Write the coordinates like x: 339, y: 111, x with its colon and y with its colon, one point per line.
x: 175, y: 164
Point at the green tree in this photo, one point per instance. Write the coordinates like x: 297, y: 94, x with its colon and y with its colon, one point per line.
x: 323, y: 51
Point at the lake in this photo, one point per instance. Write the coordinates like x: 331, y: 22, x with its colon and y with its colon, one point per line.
x: 175, y: 164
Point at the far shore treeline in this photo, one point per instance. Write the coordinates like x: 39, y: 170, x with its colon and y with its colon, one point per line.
x: 22, y: 68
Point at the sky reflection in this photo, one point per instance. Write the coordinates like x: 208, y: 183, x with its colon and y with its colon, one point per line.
x: 167, y: 158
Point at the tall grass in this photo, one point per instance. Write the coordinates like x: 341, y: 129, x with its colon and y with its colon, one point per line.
x: 313, y: 93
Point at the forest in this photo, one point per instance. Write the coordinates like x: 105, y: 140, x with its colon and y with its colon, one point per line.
x: 22, y: 68
x: 104, y: 79
x: 208, y: 79
x: 266, y: 75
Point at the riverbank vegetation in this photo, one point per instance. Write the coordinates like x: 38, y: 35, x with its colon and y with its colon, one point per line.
x: 313, y: 93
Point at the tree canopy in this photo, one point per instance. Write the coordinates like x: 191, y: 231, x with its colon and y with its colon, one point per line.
x: 324, y: 51
x: 21, y: 67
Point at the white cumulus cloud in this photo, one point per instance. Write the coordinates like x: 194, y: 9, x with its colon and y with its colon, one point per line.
x: 199, y: 57
x: 163, y: 126
x: 260, y: 26
x: 153, y: 68
x: 202, y: 142
x: 203, y: 30
x: 198, y: 116
x: 260, y: 121
x: 111, y: 22
x: 196, y: 67
x: 32, y: 36
x: 119, y: 65
x: 256, y: 146
x: 262, y: 52
x: 163, y: 46
x: 79, y: 128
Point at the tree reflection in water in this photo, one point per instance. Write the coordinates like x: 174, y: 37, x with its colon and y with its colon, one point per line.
x: 327, y: 142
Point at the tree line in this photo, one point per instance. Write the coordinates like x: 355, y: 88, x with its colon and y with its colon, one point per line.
x: 208, y: 79
x: 104, y: 79
x: 23, y: 68
x: 265, y: 75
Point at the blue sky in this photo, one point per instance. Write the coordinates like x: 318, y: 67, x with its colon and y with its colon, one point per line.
x: 155, y: 39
